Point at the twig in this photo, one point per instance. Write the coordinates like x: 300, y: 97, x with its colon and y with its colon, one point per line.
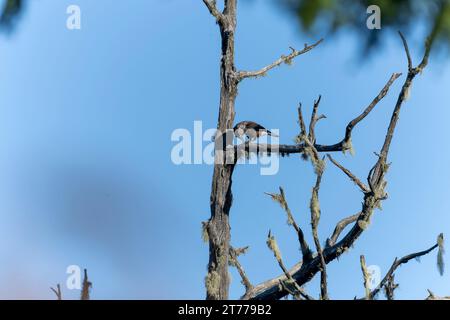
x: 281, y: 199
x: 314, y: 120
x: 365, y: 113
x: 234, y: 253
x: 349, y: 174
x: 273, y: 246
x: 85, y: 294
x: 301, y: 120
x: 390, y: 287
x: 408, y: 55
x: 315, y: 217
x: 57, y: 291
x: 212, y: 7
x: 283, y: 59
x: 397, y: 263
x: 432, y: 296
x: 340, y: 226
x: 366, y: 276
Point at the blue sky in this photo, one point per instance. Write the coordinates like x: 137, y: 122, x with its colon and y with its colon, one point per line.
x: 86, y: 176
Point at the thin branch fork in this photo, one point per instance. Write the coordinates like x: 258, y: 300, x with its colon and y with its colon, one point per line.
x: 212, y: 7
x: 283, y: 59
x: 234, y: 254
x: 397, y: 263
x: 281, y: 199
x: 57, y: 291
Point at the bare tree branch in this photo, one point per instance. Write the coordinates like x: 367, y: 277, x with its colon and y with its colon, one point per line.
x: 349, y: 174
x: 281, y: 199
x: 273, y: 246
x: 432, y: 296
x: 212, y: 7
x: 340, y: 226
x: 366, y: 276
x: 234, y: 254
x: 315, y: 218
x: 57, y: 291
x: 408, y: 55
x: 85, y: 290
x: 397, y: 263
x: 314, y: 120
x: 365, y: 113
x: 390, y: 287
x: 283, y: 59
x: 301, y: 121
x: 271, y: 285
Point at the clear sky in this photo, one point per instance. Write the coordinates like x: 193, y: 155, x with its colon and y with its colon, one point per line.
x: 86, y: 176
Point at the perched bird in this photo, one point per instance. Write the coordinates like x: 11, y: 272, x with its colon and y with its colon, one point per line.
x: 251, y: 129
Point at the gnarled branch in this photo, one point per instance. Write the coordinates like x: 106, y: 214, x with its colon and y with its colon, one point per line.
x: 283, y: 59
x: 397, y: 263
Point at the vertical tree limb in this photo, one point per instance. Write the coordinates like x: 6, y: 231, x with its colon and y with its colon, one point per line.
x: 85, y: 290
x: 218, y: 227
x: 366, y: 276
x: 218, y: 280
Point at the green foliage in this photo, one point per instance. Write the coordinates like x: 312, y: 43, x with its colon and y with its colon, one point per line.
x: 8, y: 14
x: 326, y: 17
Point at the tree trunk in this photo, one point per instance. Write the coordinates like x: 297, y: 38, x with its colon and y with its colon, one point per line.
x: 218, y: 279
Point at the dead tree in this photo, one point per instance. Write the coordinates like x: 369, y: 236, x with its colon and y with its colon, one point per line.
x: 217, y: 228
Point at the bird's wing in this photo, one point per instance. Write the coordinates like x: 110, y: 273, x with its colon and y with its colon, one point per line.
x: 255, y: 126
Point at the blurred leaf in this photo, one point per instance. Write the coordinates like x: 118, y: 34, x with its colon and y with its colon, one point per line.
x: 327, y: 17
x: 9, y: 13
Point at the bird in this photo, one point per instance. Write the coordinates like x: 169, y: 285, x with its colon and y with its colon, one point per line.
x: 251, y: 129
